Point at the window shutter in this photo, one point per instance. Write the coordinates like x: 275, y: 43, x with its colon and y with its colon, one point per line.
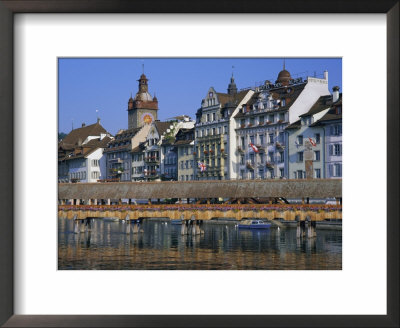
x: 330, y: 150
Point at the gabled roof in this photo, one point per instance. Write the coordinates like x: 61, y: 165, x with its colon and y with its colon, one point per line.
x: 294, y: 126
x: 161, y: 126
x: 323, y: 102
x: 73, y: 138
x: 88, y: 148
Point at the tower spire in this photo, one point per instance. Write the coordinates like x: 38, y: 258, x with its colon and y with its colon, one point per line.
x: 283, y: 63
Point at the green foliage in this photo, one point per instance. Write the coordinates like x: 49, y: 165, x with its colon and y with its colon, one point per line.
x: 61, y: 135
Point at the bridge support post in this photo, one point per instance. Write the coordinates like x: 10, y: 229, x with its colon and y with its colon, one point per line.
x: 135, y: 226
x: 311, y: 232
x: 76, y: 224
x: 89, y: 201
x: 95, y: 201
x: 108, y: 201
x: 128, y: 226
x: 184, y: 227
x: 197, y: 227
x: 77, y: 201
x: 301, y: 229
x: 82, y: 225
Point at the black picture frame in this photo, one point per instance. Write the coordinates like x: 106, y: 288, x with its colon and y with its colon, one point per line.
x: 7, y: 201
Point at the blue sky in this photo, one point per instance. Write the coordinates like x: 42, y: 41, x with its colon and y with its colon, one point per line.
x: 105, y: 84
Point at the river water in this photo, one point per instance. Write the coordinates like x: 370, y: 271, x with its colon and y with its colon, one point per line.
x: 222, y: 246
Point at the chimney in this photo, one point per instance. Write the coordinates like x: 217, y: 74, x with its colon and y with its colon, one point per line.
x: 83, y: 125
x: 98, y: 120
x: 335, y: 95
x: 326, y: 75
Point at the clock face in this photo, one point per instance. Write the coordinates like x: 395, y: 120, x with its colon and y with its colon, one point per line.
x: 147, y: 118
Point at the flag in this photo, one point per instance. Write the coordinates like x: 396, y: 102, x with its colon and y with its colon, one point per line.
x: 313, y: 143
x: 202, y: 166
x: 254, y: 147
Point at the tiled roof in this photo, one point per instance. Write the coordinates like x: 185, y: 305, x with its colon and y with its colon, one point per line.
x: 281, y: 93
x: 162, y: 126
x: 323, y: 102
x: 80, y: 134
x: 88, y: 148
x: 294, y: 126
x: 183, y: 142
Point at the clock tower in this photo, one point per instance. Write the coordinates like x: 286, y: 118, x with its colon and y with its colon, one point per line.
x: 143, y: 108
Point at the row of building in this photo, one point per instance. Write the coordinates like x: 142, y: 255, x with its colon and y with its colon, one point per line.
x: 290, y: 129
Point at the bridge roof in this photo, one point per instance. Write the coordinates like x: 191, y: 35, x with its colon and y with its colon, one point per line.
x: 316, y: 188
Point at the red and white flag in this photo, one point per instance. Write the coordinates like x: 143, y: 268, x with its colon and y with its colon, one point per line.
x: 202, y: 166
x: 254, y: 147
x: 313, y: 143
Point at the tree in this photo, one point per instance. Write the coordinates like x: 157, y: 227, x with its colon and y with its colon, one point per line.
x: 61, y: 136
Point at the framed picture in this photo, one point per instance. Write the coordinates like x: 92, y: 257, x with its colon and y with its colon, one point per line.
x: 205, y: 298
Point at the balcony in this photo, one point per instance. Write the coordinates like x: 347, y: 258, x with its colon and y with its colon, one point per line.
x: 115, y: 161
x: 152, y: 159
x: 250, y: 165
x: 269, y: 165
x: 279, y: 145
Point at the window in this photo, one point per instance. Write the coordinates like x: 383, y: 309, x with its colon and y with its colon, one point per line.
x: 317, y: 138
x: 261, y: 120
x: 242, y: 142
x: 242, y: 174
x: 271, y: 138
x: 242, y: 159
x: 225, y: 129
x: 186, y: 164
x: 261, y: 158
x: 281, y: 157
x: 242, y: 122
x: 261, y: 173
x: 300, y: 157
x: 317, y: 173
x: 271, y: 118
x: 213, y: 116
x: 252, y: 158
x: 317, y: 155
x: 208, y: 132
x: 299, y: 140
x: 252, y: 121
x: 208, y: 118
x: 336, y: 130
x: 281, y: 172
x: 299, y: 174
x: 335, y: 170
x: 213, y: 131
x: 251, y: 174
x: 261, y: 138
x: 219, y: 130
x: 283, y: 102
x: 271, y: 156
x: 335, y: 150
x: 281, y: 117
x: 197, y: 133
x: 219, y: 162
x: 187, y: 177
x: 252, y: 139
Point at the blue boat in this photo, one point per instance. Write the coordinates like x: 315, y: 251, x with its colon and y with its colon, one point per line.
x: 176, y: 222
x: 254, y: 224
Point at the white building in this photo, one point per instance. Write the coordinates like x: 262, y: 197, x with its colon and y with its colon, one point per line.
x: 80, y: 154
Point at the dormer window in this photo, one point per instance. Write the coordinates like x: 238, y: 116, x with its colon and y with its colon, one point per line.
x: 283, y: 102
x: 210, y: 95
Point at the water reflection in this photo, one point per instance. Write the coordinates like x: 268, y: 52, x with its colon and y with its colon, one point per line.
x: 111, y: 245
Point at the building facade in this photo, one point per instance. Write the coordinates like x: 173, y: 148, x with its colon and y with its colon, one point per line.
x: 186, y: 155
x: 331, y: 123
x: 80, y: 154
x: 262, y: 142
x: 214, y: 132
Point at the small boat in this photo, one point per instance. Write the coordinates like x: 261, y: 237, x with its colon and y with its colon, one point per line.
x: 176, y: 222
x: 254, y: 224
